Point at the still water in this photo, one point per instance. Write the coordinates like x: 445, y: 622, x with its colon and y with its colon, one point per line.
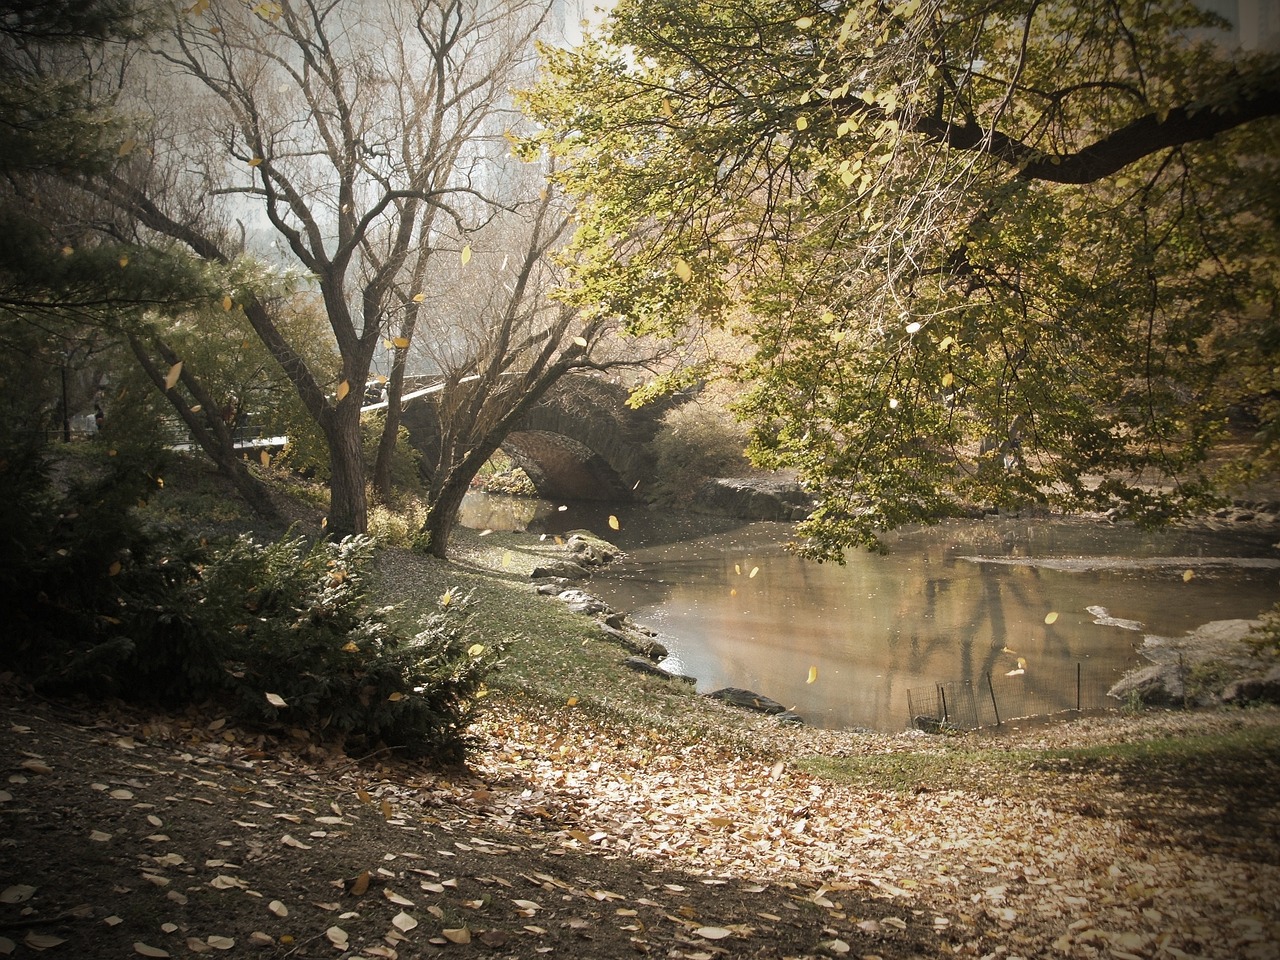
x: 843, y: 645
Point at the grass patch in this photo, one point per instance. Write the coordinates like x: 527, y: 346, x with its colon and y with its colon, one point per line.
x: 1243, y: 754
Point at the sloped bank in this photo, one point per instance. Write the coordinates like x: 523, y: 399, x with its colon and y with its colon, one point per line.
x: 586, y: 554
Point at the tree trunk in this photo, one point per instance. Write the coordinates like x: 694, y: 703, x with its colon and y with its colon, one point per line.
x: 207, y: 430
x: 391, y: 429
x: 348, y: 502
x: 442, y: 515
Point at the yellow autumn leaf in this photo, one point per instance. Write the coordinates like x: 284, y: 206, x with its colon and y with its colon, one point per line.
x: 580, y: 341
x: 172, y: 376
x: 752, y: 574
x: 802, y: 123
x: 667, y: 109
x: 343, y: 389
x: 466, y: 254
x: 613, y: 522
x: 507, y: 557
x: 457, y: 935
x: 571, y: 702
x: 255, y: 161
x: 395, y: 697
x: 804, y: 23
x: 419, y: 297
x: 276, y: 700
x: 446, y: 598
x: 683, y: 270
x: 124, y: 261
x: 1051, y: 618
x: 813, y: 675
x: 400, y: 342
x: 1188, y: 576
x: 948, y: 379
x: 475, y: 649
x: 227, y: 302
x: 265, y: 458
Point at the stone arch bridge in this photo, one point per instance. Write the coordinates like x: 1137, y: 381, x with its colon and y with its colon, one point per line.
x: 579, y: 442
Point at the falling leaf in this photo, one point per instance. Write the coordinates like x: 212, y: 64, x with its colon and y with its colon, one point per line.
x: 123, y: 261
x: 172, y: 376
x: 276, y: 700
x: 255, y: 161
x: 1050, y: 618
x: 913, y: 326
x: 683, y: 270
x: 948, y: 379
x: 401, y: 343
x: 813, y: 675
x: 613, y: 522
x: 343, y: 389
x: 466, y: 254
x: 571, y: 702
x: 752, y: 574
x: 507, y: 557
x: 419, y: 297
x: 1188, y: 576
x: 264, y: 458
x: 146, y: 950
x: 802, y: 123
x: 475, y: 649
x: 804, y: 23
x: 580, y: 341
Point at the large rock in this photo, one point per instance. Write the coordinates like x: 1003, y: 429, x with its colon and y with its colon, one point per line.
x: 1264, y: 689
x: 1157, y: 685
x: 753, y: 498
x: 747, y: 699
x: 648, y: 666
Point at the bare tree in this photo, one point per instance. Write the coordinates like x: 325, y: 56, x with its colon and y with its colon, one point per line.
x: 364, y: 143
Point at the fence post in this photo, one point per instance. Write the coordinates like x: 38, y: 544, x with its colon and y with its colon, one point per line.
x: 942, y: 694
x: 1077, y: 687
x: 911, y: 710
x: 992, y: 688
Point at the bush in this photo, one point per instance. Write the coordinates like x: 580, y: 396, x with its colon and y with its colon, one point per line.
x: 282, y: 632
x: 695, y: 443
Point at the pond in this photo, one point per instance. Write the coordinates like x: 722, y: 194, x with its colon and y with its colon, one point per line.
x: 1037, y: 603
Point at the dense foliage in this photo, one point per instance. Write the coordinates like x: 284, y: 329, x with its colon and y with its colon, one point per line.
x: 283, y: 633
x: 991, y: 253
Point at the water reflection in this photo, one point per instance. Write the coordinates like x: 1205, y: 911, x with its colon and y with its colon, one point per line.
x: 935, y: 609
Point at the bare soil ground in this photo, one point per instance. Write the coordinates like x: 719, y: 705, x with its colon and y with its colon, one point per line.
x: 125, y: 833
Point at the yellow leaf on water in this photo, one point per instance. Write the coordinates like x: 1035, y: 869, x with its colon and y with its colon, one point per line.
x: 613, y: 522
x: 1188, y: 576
x: 737, y: 568
x: 1022, y: 663
x: 172, y: 376
x: 813, y: 675
x: 754, y: 571
x: 1050, y: 618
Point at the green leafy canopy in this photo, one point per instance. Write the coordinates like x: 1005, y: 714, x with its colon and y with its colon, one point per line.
x: 985, y: 253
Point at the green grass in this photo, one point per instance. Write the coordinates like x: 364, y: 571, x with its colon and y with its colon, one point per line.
x: 1237, y: 755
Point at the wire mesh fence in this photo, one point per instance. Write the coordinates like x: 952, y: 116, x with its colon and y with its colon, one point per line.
x: 992, y: 700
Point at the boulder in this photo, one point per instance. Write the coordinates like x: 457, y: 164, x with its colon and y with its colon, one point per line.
x: 560, y: 569
x: 637, y: 643
x: 753, y: 498
x: 1264, y: 689
x: 1157, y: 685
x: 649, y: 667
x: 748, y: 700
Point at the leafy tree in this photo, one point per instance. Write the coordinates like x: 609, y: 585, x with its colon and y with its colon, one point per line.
x: 997, y: 252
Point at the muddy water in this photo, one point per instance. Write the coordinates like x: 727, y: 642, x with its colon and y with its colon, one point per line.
x: 843, y: 645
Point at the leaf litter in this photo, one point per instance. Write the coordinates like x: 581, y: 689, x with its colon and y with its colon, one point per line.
x: 568, y: 837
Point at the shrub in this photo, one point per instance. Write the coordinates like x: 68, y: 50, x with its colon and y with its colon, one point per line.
x: 695, y: 443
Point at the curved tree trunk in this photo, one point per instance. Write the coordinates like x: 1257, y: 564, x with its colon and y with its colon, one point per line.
x: 207, y: 429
